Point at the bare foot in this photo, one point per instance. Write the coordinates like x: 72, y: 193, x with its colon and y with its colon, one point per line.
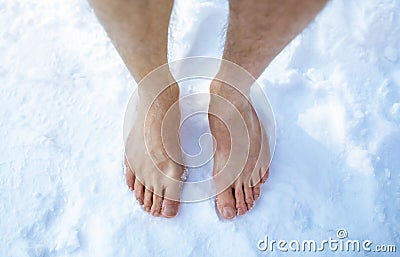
x: 238, y: 197
x: 151, y: 173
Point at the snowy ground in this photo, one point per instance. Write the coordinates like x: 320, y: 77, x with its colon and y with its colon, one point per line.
x: 63, y: 88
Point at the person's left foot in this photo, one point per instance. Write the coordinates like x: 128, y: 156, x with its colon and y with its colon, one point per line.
x: 152, y: 173
x: 240, y: 195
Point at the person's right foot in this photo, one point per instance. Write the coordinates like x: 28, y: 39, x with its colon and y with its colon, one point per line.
x: 148, y: 164
x: 239, y: 195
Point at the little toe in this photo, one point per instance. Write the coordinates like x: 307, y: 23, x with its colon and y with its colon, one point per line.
x: 264, y: 174
x: 130, y: 178
x: 226, y: 204
x: 169, y: 208
x: 256, y: 191
x: 139, y: 191
x: 148, y: 200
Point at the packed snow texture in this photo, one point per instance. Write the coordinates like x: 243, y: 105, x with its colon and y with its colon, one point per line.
x: 335, y: 91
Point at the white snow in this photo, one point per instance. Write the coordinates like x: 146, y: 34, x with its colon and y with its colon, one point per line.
x: 335, y: 91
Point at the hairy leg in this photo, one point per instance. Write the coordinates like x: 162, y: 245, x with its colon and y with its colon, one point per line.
x: 139, y: 31
x: 258, y: 31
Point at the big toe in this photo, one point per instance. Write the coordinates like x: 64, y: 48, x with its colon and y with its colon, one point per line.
x: 226, y: 204
x: 169, y: 208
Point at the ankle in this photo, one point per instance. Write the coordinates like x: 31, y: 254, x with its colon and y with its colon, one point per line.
x: 164, y: 99
x: 228, y: 94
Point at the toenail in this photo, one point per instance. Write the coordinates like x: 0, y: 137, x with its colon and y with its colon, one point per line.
x: 169, y: 210
x: 147, y: 208
x: 228, y: 212
x: 256, y: 196
x: 240, y: 211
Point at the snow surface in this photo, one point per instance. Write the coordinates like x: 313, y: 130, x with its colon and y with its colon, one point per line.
x: 335, y: 91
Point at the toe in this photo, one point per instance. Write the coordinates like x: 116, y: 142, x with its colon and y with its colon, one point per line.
x: 241, y: 206
x: 264, y: 174
x: 148, y: 200
x: 130, y: 178
x: 256, y: 191
x: 226, y: 204
x: 157, y: 203
x: 169, y: 208
x: 248, y: 194
x: 139, y: 191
